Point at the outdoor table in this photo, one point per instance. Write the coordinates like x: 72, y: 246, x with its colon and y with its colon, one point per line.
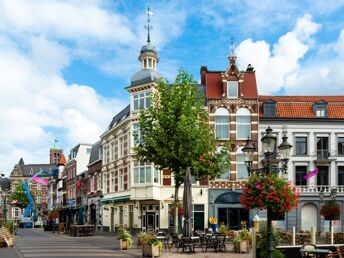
x: 81, y: 230
x: 317, y: 251
x: 160, y: 237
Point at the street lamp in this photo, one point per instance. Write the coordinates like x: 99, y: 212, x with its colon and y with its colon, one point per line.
x: 270, y: 166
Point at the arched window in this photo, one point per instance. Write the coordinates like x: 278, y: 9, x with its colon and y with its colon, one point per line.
x: 241, y: 168
x: 243, y: 123
x: 225, y: 174
x: 221, y: 124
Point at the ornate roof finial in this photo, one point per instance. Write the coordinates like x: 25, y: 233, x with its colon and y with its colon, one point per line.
x: 232, y: 56
x: 56, y: 144
x: 148, y: 27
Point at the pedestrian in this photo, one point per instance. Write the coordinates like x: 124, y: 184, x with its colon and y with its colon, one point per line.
x: 53, y: 225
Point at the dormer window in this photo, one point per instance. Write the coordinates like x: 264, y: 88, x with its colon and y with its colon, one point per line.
x: 320, y: 109
x: 232, y: 89
x: 270, y: 108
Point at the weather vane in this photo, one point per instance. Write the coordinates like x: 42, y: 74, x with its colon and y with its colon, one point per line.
x: 148, y: 27
x: 232, y: 46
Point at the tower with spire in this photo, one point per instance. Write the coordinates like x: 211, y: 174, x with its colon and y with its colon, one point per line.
x: 148, y: 58
x: 56, y: 154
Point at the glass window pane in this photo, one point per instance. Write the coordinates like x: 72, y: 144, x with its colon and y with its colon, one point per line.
x: 232, y: 89
x: 142, y: 175
x: 136, y: 104
x: 242, y: 172
x: 148, y: 175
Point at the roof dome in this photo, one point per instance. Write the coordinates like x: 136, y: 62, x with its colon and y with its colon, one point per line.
x: 144, y: 76
x: 149, y: 48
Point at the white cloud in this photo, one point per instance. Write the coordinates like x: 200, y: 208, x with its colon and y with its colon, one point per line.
x: 274, y: 65
x: 72, y: 20
x: 36, y: 103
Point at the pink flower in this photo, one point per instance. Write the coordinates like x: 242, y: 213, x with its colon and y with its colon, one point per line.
x: 258, y: 186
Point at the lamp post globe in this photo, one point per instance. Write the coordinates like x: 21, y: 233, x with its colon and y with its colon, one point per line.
x: 284, y: 148
x: 269, y: 142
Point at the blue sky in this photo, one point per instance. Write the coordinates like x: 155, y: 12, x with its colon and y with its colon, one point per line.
x: 64, y: 64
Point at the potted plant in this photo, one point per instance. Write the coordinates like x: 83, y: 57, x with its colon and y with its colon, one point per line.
x: 125, y: 239
x: 11, y: 228
x: 330, y: 210
x: 223, y: 229
x: 150, y: 245
x: 242, y: 241
x: 213, y: 223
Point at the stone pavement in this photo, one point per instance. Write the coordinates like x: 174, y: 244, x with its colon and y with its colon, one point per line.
x: 37, y: 243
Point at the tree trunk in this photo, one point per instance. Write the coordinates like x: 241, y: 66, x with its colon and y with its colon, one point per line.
x: 176, y: 203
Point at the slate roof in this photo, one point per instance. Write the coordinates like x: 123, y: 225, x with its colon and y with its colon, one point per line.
x: 119, y: 117
x: 95, y: 153
x: 144, y: 76
x: 32, y: 169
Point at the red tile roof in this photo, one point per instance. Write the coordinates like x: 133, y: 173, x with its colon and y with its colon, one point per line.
x: 302, y: 106
x: 214, y: 85
x: 302, y: 98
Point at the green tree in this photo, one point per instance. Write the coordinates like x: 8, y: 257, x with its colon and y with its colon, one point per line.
x: 175, y: 133
x: 19, y: 198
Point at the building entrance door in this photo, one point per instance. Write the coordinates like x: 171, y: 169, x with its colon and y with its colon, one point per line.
x: 232, y: 217
x: 150, y: 217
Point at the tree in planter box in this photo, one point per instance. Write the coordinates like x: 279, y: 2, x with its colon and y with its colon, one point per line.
x: 125, y: 238
x: 262, y: 238
x: 241, y: 241
x: 150, y: 245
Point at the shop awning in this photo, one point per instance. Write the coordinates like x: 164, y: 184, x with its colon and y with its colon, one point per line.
x: 116, y: 199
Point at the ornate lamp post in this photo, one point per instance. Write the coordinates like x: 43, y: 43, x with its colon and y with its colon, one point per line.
x: 270, y: 166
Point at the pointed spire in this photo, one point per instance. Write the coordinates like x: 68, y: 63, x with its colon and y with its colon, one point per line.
x: 56, y: 144
x: 148, y: 27
x: 21, y: 162
x: 232, y: 56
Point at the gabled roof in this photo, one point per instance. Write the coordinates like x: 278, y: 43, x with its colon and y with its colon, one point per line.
x: 303, y: 106
x: 214, y: 85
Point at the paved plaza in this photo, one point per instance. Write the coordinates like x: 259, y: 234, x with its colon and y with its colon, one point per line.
x: 37, y: 243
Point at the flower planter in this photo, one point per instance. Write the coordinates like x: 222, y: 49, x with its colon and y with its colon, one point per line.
x: 242, y: 247
x: 123, y: 244
x: 11, y: 241
x: 214, y: 227
x: 151, y: 250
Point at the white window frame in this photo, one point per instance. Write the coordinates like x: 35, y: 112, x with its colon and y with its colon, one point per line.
x: 222, y: 113
x: 136, y: 130
x: 112, y: 181
x: 120, y: 179
x: 141, y: 99
x: 39, y: 186
x: 242, y: 164
x: 230, y: 85
x: 142, y: 170
x: 243, y: 113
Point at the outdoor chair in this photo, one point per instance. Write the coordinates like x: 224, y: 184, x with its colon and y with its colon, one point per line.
x: 165, y: 242
x: 220, y: 244
x: 175, y: 240
x: 308, y: 246
x: 210, y: 242
x: 187, y: 245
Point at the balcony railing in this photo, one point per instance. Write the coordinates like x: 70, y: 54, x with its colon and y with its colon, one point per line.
x: 318, y: 188
x: 323, y: 154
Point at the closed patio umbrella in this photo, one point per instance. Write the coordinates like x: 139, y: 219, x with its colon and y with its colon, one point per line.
x: 187, y: 203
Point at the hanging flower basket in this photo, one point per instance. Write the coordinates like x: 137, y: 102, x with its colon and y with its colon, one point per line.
x: 53, y: 214
x: 263, y: 191
x: 330, y: 210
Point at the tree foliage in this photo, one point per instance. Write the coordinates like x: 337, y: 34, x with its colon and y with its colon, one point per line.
x: 175, y: 132
x: 19, y: 198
